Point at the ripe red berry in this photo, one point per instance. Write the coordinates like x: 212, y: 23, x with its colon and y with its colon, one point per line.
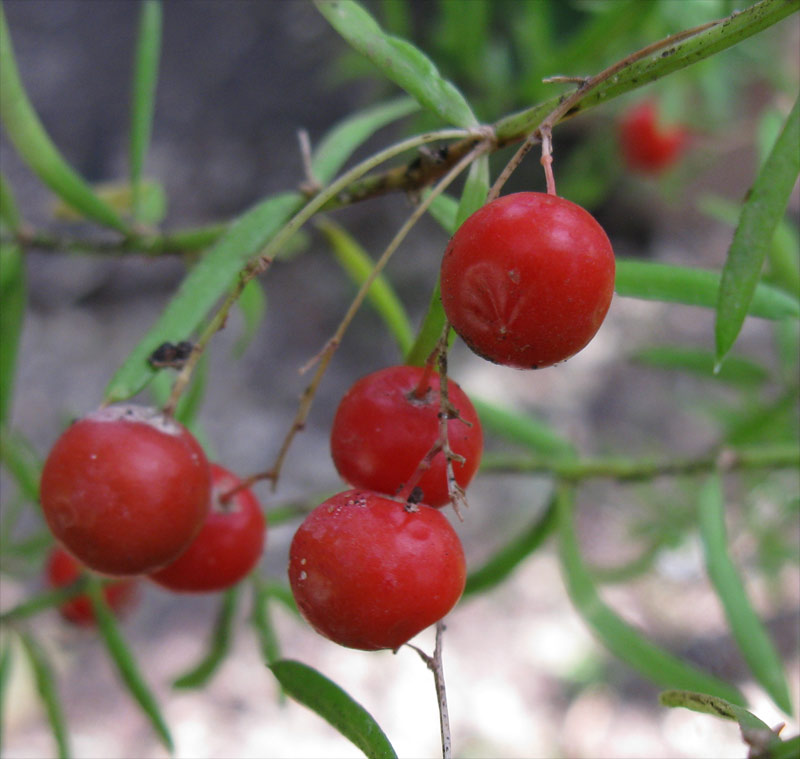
x: 389, y: 420
x: 527, y: 280
x: 647, y: 146
x: 367, y: 573
x: 227, y: 547
x: 125, y: 489
x: 62, y: 570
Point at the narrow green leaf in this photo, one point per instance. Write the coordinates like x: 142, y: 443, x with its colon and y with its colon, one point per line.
x: 706, y: 704
x: 120, y: 197
x: 622, y: 640
x: 252, y: 305
x: 444, y: 210
x: 521, y: 428
x: 694, y: 287
x: 789, y: 749
x: 330, y: 702
x: 48, y: 692
x: 503, y: 562
x: 736, y: 370
x: 143, y: 93
x: 43, y: 601
x: 220, y: 643
x: 750, y: 634
x: 760, y: 215
x: 399, y: 60
x: 9, y: 212
x: 35, y: 146
x: 6, y: 665
x: 202, y: 288
x: 338, y: 145
x: 21, y: 461
x: 13, y: 301
x: 261, y: 619
x: 358, y: 265
x: 126, y: 663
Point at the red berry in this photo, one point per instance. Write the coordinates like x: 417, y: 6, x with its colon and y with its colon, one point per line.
x: 647, y: 146
x: 367, y: 573
x: 227, y: 547
x: 527, y: 280
x: 389, y: 420
x: 125, y: 489
x: 62, y: 570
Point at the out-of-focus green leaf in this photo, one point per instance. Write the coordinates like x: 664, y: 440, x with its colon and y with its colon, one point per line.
x: 126, y: 663
x: 789, y: 749
x: 694, y: 287
x: 9, y: 213
x: 143, y: 94
x: 48, y: 692
x: 330, y: 702
x: 6, y: 664
x: 399, y: 60
x: 358, y: 265
x: 736, y: 370
x: 445, y: 210
x: 21, y: 462
x: 13, y: 300
x: 220, y: 643
x: 261, y: 620
x: 760, y: 215
x: 750, y: 634
x: 504, y: 561
x: 120, y: 196
x: 47, y: 599
x: 35, y: 146
x: 202, y: 288
x: 337, y: 146
x: 521, y: 428
x: 625, y: 642
x: 252, y: 304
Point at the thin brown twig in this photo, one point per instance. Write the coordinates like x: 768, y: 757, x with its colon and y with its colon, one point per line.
x: 324, y: 357
x: 434, y: 664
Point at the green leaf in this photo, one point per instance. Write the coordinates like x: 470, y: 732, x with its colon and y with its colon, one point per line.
x: 261, y: 619
x: 13, y: 301
x: 736, y: 370
x: 622, y: 640
x: 694, y: 287
x: 337, y: 146
x: 503, y: 562
x: 399, y: 60
x: 521, y: 428
x: 126, y: 663
x: 760, y: 215
x: 706, y: 704
x: 330, y: 702
x: 46, y: 687
x: 9, y: 213
x: 120, y: 197
x: 750, y: 634
x: 252, y: 304
x: 6, y: 665
x: 220, y: 643
x: 21, y: 461
x: 145, y: 78
x: 43, y: 601
x: 202, y: 288
x: 358, y: 265
x: 35, y: 146
x: 789, y: 749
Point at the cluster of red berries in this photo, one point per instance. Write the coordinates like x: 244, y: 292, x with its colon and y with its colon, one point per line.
x: 526, y: 281
x: 128, y: 491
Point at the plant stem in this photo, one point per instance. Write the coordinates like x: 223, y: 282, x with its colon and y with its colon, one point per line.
x: 434, y: 664
x: 778, y: 456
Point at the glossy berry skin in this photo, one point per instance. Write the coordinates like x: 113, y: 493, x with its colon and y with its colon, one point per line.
x: 647, y: 146
x: 382, y: 430
x: 62, y: 570
x: 227, y: 547
x: 527, y: 280
x: 369, y: 574
x: 125, y: 489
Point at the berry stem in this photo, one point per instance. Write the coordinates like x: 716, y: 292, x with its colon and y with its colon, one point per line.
x: 424, y: 385
x: 434, y: 664
x: 547, y: 159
